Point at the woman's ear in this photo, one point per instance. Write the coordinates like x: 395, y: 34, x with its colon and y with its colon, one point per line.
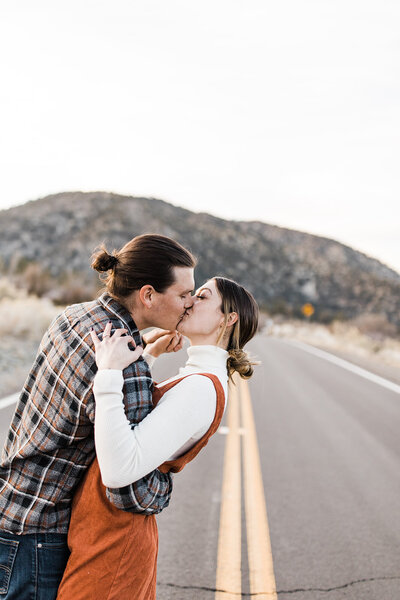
x: 232, y: 318
x: 146, y: 295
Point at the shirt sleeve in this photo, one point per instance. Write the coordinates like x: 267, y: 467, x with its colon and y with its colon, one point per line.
x: 149, y: 358
x: 152, y: 493
x: 127, y: 454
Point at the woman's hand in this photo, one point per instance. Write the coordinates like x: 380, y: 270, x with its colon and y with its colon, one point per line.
x: 113, y: 352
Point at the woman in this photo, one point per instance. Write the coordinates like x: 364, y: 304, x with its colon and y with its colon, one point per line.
x: 113, y: 553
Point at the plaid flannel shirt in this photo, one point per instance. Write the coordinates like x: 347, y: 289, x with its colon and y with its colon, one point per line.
x: 50, y: 442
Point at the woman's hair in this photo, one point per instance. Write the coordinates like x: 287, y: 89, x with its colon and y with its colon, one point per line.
x: 146, y: 260
x: 236, y: 298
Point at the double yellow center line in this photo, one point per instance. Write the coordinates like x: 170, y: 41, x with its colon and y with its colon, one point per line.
x: 229, y: 572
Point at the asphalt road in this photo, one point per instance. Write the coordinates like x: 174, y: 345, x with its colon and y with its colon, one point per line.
x: 330, y: 451
x: 330, y: 455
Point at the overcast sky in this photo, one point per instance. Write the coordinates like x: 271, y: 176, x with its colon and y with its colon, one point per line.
x: 283, y: 111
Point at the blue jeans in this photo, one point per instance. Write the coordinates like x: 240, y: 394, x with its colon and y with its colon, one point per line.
x: 32, y: 565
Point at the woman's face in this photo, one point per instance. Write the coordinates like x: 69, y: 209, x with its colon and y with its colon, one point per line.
x: 202, y: 322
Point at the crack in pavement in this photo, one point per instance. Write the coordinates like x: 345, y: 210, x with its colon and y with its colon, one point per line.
x: 294, y: 591
x: 338, y: 587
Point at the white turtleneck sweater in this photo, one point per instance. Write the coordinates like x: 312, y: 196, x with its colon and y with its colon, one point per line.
x: 182, y: 416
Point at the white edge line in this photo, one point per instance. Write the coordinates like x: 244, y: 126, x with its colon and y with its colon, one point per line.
x: 4, y: 402
x: 390, y: 385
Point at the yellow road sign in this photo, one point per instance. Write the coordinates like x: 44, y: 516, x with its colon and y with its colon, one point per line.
x: 307, y: 309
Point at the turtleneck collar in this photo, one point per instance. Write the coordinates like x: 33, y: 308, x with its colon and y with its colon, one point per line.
x: 203, y: 357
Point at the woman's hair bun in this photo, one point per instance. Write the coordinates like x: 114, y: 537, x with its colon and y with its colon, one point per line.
x: 239, y: 361
x: 103, y: 261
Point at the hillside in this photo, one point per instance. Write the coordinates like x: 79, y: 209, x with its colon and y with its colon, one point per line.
x: 283, y: 268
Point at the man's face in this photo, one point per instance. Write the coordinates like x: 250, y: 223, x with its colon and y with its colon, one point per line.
x: 170, y: 306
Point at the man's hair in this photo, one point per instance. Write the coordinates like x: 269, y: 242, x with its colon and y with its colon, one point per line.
x: 146, y: 260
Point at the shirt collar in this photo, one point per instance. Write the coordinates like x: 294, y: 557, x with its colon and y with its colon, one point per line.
x: 118, y: 310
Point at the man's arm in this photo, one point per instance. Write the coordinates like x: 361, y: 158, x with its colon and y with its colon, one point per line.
x: 149, y: 495
x: 152, y: 493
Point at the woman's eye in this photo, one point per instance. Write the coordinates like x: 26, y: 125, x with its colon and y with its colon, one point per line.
x: 200, y: 297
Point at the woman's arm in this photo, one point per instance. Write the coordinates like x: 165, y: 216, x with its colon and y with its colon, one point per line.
x: 126, y: 455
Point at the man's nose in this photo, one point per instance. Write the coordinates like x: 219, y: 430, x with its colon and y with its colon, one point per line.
x: 189, y: 302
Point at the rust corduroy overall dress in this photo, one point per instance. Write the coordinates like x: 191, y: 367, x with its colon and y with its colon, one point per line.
x: 113, y: 552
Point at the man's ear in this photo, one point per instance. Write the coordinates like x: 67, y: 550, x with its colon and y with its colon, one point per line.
x: 146, y: 295
x: 232, y: 319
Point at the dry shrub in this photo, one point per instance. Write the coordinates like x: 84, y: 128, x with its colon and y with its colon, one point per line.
x: 375, y: 325
x: 36, y: 280
x: 28, y: 316
x: 8, y: 290
x: 23, y: 321
x: 22, y: 315
x: 343, y: 337
x: 74, y: 289
x: 390, y: 352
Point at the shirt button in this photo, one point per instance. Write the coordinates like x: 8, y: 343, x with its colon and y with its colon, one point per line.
x: 39, y: 545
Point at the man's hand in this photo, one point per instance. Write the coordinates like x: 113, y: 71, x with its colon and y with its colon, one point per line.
x: 167, y: 341
x: 155, y: 334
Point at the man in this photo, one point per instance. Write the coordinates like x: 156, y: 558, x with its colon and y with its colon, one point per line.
x: 50, y: 443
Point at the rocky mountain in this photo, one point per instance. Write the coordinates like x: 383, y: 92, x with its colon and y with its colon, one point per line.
x: 283, y: 268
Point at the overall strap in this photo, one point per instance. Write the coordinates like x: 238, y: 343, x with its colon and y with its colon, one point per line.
x: 158, y: 393
x: 178, y: 463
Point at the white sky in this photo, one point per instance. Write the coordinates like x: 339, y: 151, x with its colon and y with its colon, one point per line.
x: 284, y: 111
